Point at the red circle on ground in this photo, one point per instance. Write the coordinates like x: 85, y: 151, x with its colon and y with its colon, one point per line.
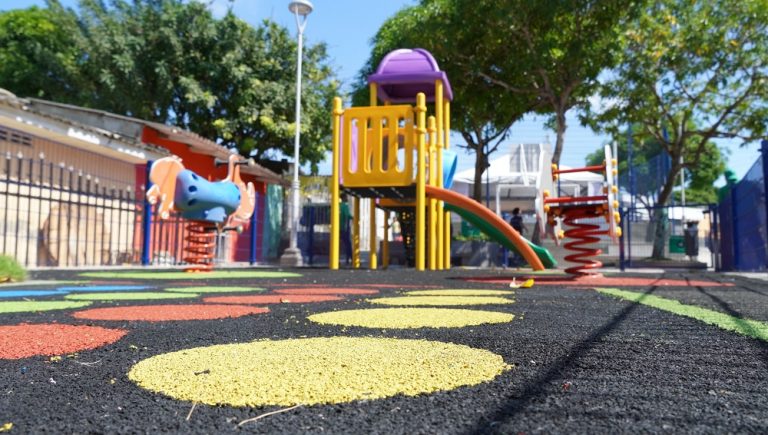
x: 23, y: 341
x: 160, y: 313
x: 397, y: 286
x: 271, y: 299
x: 604, y: 281
x: 326, y: 291
x: 290, y: 284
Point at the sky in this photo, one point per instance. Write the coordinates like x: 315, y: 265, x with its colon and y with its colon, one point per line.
x: 347, y: 27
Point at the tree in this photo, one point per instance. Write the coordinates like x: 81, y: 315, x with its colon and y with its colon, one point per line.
x: 548, y: 51
x: 646, y: 151
x: 39, y: 54
x: 484, y: 115
x: 691, y: 72
x: 171, y: 61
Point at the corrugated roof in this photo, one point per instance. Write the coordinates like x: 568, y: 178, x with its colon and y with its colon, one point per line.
x: 127, y: 127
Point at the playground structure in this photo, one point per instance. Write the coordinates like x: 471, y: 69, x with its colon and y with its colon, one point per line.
x: 210, y: 207
x: 399, y: 156
x: 568, y: 210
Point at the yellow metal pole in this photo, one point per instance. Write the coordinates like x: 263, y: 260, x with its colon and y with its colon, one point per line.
x: 447, y: 217
x: 439, y: 147
x: 356, y: 233
x: 421, y: 130
x: 385, y: 242
x: 373, y: 259
x: 372, y: 90
x: 432, y: 202
x: 333, y: 261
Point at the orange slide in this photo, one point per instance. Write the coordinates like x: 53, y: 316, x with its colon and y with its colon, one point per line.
x: 469, y: 204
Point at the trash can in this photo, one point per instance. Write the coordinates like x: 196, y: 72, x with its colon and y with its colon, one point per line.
x: 691, y: 236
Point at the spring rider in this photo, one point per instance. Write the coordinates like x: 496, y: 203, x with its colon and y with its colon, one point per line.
x: 571, y: 211
x: 210, y: 207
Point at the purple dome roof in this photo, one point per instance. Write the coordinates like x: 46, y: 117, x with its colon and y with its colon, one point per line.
x: 405, y: 72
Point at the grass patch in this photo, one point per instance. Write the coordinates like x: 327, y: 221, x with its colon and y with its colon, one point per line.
x: 35, y: 306
x: 750, y: 328
x: 210, y: 289
x: 11, y: 270
x: 217, y: 274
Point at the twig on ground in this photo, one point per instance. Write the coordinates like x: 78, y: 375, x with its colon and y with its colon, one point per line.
x: 259, y: 417
x: 88, y: 363
x: 190, y: 411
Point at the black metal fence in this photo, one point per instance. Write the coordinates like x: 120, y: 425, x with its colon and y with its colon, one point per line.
x: 54, y: 215
x: 669, y: 236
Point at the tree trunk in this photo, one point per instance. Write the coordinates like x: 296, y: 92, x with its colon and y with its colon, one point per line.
x: 480, y: 166
x: 560, y: 126
x: 660, y: 213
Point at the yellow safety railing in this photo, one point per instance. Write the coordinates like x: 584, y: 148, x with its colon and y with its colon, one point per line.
x: 367, y: 134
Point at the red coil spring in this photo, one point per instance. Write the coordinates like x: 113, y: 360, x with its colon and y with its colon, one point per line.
x: 583, y: 234
x: 200, y: 247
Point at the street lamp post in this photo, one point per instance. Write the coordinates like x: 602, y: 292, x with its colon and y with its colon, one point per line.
x: 292, y: 255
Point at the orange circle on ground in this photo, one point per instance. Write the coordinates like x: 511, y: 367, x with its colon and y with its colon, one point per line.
x: 271, y: 299
x: 326, y: 291
x: 162, y: 313
x: 23, y: 341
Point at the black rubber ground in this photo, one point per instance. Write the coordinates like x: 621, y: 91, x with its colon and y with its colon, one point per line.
x: 583, y: 363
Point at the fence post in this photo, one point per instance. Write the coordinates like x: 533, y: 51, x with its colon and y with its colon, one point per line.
x: 764, y: 152
x: 734, y: 228
x: 146, y: 221
x: 253, y: 231
x: 623, y: 218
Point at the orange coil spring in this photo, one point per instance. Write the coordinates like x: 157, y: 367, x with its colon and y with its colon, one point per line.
x: 583, y: 234
x: 200, y: 247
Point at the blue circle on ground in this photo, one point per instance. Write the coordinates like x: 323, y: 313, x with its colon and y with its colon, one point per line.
x: 27, y: 293
x: 102, y: 288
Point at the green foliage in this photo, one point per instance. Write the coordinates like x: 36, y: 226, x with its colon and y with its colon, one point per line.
x: 171, y: 61
x: 507, y: 58
x: 39, y: 53
x: 692, y: 72
x: 699, y: 179
x: 11, y: 270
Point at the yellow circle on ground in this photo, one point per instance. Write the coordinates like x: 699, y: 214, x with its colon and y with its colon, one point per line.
x: 314, y: 370
x: 441, y: 300
x: 216, y: 289
x: 404, y: 318
x: 460, y: 292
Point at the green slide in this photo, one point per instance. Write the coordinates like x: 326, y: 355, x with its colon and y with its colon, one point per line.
x: 494, y: 233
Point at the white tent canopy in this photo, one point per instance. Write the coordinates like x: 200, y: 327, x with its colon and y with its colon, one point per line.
x: 514, y: 176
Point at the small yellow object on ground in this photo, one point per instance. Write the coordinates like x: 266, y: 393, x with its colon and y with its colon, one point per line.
x: 460, y: 292
x: 414, y: 301
x: 6, y: 427
x: 525, y: 284
x: 315, y: 370
x: 406, y: 318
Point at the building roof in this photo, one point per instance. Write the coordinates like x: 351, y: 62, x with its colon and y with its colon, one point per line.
x: 19, y: 114
x: 405, y: 72
x: 132, y: 128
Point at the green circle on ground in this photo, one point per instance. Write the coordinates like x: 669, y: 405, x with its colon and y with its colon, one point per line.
x: 216, y: 274
x: 131, y: 296
x: 33, y: 306
x: 414, y: 301
x: 460, y: 292
x: 213, y: 289
x: 406, y: 318
x: 314, y: 370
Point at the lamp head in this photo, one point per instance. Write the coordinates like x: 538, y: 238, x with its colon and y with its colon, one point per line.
x: 301, y: 7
